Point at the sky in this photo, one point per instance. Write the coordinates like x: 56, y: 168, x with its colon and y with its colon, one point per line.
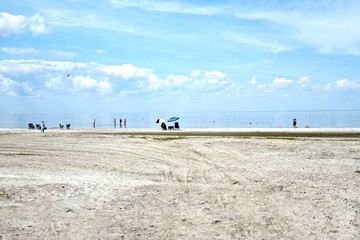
x: 90, y: 56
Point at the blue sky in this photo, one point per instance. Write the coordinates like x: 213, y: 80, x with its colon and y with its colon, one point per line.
x: 179, y: 56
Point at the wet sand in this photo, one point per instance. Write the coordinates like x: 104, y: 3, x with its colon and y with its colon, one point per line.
x: 187, y: 184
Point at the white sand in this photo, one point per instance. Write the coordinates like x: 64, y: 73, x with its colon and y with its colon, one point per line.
x: 187, y: 184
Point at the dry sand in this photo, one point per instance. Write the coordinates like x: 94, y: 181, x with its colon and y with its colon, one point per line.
x: 187, y: 184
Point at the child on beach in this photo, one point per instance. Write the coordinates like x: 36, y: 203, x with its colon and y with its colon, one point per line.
x: 42, y: 127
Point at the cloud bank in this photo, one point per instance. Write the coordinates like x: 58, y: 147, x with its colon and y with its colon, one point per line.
x: 19, y: 24
x: 47, y: 78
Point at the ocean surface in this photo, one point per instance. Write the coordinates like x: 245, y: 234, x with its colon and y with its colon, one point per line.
x: 241, y: 119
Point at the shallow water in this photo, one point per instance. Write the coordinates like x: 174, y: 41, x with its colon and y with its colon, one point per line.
x: 248, y: 119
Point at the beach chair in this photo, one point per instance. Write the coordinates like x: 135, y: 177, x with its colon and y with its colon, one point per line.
x: 38, y: 126
x: 68, y: 126
x: 61, y: 126
x: 31, y: 126
x: 177, y: 127
x: 163, y: 126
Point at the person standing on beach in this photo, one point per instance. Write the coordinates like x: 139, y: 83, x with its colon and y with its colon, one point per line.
x: 94, y: 124
x: 42, y: 127
x: 114, y: 122
x: 120, y: 123
x: 125, y: 123
x: 294, y: 123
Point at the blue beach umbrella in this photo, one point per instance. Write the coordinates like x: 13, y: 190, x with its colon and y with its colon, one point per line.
x: 173, y: 119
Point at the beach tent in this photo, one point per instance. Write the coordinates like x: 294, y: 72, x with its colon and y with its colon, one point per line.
x: 160, y: 120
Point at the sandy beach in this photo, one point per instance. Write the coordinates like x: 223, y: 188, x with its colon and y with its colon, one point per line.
x: 187, y: 184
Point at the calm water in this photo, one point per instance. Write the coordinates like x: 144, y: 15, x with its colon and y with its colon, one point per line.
x: 270, y: 119
x: 334, y: 119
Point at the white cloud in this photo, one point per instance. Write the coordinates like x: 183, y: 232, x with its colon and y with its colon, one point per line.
x: 304, y: 81
x: 6, y: 84
x: 19, y: 51
x: 280, y: 82
x: 214, y: 76
x: 257, y: 41
x: 11, y: 93
x: 347, y: 84
x: 12, y: 88
x: 60, y: 53
x: 176, y: 80
x: 86, y: 83
x: 104, y: 87
x: 328, y: 87
x: 343, y: 84
x: 169, y: 6
x: 66, y: 17
x: 153, y: 81
x: 42, y: 67
x: 253, y: 80
x: 37, y: 25
x: 10, y: 24
x: 197, y: 81
x: 127, y: 71
x: 276, y: 83
x: 18, y: 24
x: 100, y: 51
x: 33, y: 51
x: 53, y: 83
x: 262, y: 86
x: 210, y: 80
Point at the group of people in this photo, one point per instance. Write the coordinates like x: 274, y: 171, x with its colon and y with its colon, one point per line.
x: 120, y: 123
x: 43, y: 127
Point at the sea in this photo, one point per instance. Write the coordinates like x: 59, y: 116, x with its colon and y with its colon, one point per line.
x: 235, y: 119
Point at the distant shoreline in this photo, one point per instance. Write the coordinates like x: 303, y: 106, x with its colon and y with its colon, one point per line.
x: 211, y: 132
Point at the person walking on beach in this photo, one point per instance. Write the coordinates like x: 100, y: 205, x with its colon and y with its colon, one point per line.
x: 42, y: 127
x: 294, y: 123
